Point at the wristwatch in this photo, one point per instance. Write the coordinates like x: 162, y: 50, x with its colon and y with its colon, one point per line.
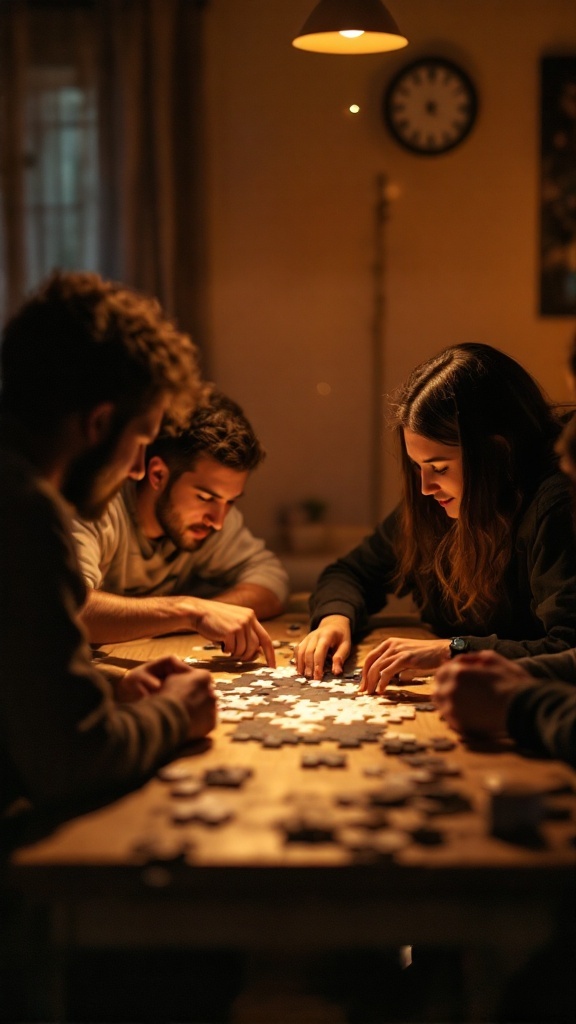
x: 458, y: 645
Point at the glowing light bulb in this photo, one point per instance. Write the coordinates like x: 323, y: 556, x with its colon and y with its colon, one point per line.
x: 352, y: 33
x: 354, y: 108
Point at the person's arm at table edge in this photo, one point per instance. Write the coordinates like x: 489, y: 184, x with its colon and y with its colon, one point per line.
x: 112, y: 618
x: 560, y: 667
x: 114, y: 746
x: 542, y: 719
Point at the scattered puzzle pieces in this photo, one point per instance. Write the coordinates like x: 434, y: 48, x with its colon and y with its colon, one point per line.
x: 206, y: 810
x: 177, y: 771
x: 326, y: 760
x: 278, y: 707
x: 307, y: 829
x: 232, y: 776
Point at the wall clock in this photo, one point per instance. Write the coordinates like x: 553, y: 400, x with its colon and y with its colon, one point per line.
x: 430, y: 106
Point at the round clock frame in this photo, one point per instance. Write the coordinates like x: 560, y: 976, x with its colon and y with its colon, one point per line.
x: 430, y: 106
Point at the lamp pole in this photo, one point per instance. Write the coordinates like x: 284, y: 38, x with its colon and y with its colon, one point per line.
x: 381, y: 214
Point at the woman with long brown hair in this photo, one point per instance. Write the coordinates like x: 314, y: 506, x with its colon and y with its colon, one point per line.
x: 483, y: 536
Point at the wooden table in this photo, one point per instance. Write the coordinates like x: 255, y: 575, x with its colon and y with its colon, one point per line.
x: 127, y: 875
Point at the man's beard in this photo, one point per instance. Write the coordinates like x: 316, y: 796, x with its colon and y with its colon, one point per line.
x: 173, y: 526
x: 80, y: 486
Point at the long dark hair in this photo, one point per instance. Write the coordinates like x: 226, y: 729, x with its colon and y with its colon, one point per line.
x: 476, y: 397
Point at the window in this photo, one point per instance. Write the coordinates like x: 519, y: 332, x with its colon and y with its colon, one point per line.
x: 60, y: 173
x: 49, y: 189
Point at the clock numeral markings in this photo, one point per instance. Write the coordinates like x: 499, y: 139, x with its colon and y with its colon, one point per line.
x: 431, y: 107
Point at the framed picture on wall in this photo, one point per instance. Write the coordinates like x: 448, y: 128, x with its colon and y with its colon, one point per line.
x: 558, y: 187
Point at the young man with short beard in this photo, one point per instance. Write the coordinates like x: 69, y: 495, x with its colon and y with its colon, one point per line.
x: 172, y: 552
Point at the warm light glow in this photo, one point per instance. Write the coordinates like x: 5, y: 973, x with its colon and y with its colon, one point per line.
x: 335, y: 42
x: 350, y: 26
x: 354, y: 108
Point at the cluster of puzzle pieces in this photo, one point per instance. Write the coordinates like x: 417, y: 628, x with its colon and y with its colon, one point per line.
x: 277, y: 707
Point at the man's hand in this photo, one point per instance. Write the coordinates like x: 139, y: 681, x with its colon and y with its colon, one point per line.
x: 147, y: 679
x: 194, y: 688
x: 400, y: 654
x: 473, y: 692
x: 237, y: 628
x: 333, y: 635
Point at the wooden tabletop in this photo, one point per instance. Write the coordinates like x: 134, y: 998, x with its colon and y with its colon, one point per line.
x: 142, y: 823
x: 128, y: 875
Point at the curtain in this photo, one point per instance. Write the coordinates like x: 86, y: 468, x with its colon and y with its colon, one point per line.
x: 100, y: 147
x: 150, y: 99
x: 13, y: 61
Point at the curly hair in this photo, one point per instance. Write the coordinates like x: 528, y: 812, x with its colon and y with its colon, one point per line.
x: 80, y: 340
x: 475, y: 397
x: 218, y: 429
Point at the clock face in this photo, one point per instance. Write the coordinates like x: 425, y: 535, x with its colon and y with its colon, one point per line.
x: 430, y: 106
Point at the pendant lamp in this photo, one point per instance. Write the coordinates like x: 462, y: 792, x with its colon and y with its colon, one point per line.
x: 350, y: 26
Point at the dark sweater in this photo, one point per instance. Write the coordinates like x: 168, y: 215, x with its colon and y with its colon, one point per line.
x: 62, y: 737
x: 542, y: 720
x: 560, y: 667
x: 542, y: 716
x: 536, y: 612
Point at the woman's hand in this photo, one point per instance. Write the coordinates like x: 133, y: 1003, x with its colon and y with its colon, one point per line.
x: 401, y: 654
x: 333, y: 635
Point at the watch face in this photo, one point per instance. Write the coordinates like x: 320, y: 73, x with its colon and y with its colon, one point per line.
x: 458, y: 644
x: 430, y: 106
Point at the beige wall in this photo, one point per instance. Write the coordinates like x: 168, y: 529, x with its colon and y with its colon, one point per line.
x: 291, y: 210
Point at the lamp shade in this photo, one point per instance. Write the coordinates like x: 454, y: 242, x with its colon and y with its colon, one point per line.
x: 350, y: 26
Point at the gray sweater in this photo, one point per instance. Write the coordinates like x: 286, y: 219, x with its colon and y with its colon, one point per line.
x: 115, y: 556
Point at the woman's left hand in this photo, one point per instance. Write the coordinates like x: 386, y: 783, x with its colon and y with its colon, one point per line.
x: 401, y: 654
